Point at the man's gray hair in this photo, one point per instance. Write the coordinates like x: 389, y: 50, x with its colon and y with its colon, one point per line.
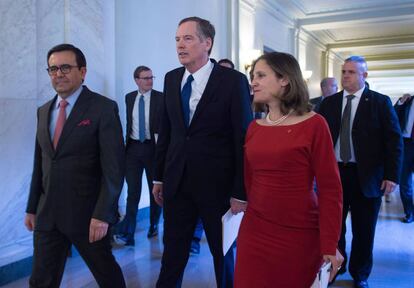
x: 358, y: 59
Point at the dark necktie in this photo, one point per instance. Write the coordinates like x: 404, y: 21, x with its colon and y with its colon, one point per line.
x: 185, y: 99
x: 345, y: 140
x: 60, y: 122
x: 141, y: 118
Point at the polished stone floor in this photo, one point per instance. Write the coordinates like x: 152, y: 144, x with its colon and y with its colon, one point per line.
x: 393, y: 259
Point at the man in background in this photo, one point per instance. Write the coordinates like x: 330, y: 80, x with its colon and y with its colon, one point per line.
x: 405, y: 111
x: 143, y: 115
x: 368, y: 146
x: 77, y: 176
x: 329, y: 86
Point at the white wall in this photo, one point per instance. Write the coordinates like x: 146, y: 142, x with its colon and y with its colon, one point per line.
x: 28, y: 30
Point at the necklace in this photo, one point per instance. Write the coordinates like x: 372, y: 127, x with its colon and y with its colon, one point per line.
x: 279, y: 120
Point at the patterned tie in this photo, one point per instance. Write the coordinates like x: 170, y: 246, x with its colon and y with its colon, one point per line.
x: 185, y: 99
x: 345, y: 140
x: 60, y: 122
x: 141, y: 118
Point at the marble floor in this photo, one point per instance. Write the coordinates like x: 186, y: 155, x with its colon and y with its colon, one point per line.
x: 393, y: 259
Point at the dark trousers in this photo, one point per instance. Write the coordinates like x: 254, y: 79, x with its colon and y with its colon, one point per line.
x: 139, y: 157
x: 364, y: 215
x: 181, y: 214
x: 50, y: 253
x: 406, y: 184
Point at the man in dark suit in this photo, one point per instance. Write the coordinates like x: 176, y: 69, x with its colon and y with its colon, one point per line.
x: 199, y: 155
x: 405, y: 112
x: 143, y: 111
x: 368, y: 147
x: 329, y: 86
x: 198, y: 231
x: 77, y: 175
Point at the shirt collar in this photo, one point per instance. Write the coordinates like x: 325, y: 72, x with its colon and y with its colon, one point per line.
x: 357, y: 94
x: 201, y: 74
x: 146, y: 94
x: 71, y: 99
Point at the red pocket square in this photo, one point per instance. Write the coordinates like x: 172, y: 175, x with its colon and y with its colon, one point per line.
x: 85, y: 122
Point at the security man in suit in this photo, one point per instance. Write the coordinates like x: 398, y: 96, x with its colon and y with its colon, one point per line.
x: 143, y: 112
x: 77, y: 176
x: 368, y: 147
x: 405, y: 111
x: 199, y: 155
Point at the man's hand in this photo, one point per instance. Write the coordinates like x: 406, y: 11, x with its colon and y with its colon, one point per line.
x: 336, y: 261
x: 157, y: 192
x: 388, y: 186
x: 29, y: 221
x: 97, y: 230
x: 237, y: 206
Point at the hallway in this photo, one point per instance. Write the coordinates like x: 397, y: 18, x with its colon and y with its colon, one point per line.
x: 393, y: 259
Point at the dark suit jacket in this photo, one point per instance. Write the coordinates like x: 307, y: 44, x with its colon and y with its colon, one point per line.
x: 403, y: 111
x: 84, y: 176
x: 376, y: 137
x: 156, y: 109
x: 316, y: 102
x: 211, y: 148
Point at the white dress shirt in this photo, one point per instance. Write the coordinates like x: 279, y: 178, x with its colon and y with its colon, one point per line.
x: 135, y: 117
x: 355, y: 102
x: 198, y: 85
x: 55, y: 110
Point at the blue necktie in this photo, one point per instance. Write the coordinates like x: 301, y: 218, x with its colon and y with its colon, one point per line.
x: 141, y: 118
x: 185, y: 99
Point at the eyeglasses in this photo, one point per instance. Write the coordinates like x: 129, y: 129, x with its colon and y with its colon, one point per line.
x: 64, y: 68
x: 147, y: 78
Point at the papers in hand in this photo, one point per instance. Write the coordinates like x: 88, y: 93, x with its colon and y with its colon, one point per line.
x: 231, y: 224
x: 322, y: 278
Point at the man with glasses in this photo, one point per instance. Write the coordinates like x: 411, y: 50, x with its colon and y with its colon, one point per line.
x: 77, y: 175
x: 144, y: 108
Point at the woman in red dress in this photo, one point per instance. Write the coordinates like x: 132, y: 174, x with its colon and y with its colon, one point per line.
x: 288, y: 229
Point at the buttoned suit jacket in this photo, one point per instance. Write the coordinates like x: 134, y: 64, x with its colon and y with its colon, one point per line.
x: 376, y: 138
x: 155, y: 112
x: 83, y: 177
x: 210, y: 150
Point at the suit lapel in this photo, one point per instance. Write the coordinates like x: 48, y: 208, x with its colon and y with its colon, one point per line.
x: 152, y: 112
x: 176, y: 93
x: 131, y: 101
x: 208, y: 94
x: 44, y: 126
x: 337, y: 115
x: 75, y: 116
x: 363, y: 107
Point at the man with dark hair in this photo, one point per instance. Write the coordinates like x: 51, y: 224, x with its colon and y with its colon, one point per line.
x: 199, y: 154
x: 368, y: 147
x: 143, y: 113
x: 77, y: 176
x: 226, y: 63
x: 329, y: 86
